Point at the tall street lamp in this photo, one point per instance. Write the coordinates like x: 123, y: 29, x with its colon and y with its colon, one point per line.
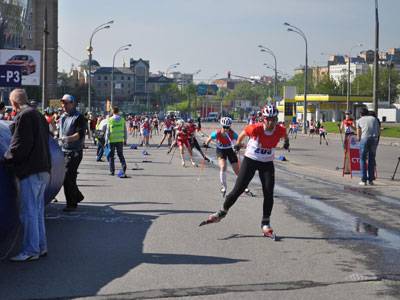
x: 376, y: 61
x: 348, y: 76
x: 390, y: 66
x: 297, y: 30
x: 173, y: 66
x: 269, y: 51
x: 90, y: 50
x: 120, y: 49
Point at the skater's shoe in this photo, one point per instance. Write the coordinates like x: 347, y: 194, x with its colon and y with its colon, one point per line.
x: 216, y: 217
x: 248, y: 192
x: 193, y: 164
x: 183, y: 163
x: 268, y: 231
x: 223, y: 191
x: 206, y: 159
x: 327, y: 143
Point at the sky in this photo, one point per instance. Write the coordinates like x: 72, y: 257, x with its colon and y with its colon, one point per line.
x: 218, y: 36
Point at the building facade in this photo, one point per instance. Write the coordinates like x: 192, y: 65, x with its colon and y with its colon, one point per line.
x: 14, y: 23
x: 22, y: 27
x: 124, y: 83
x: 339, y: 73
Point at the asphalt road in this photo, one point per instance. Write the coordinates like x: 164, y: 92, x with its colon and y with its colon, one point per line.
x: 139, y: 237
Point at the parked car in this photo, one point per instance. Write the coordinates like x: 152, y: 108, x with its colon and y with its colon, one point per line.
x: 212, y: 117
x: 25, y: 61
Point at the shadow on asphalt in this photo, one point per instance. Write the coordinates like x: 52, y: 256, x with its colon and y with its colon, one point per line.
x: 88, y: 249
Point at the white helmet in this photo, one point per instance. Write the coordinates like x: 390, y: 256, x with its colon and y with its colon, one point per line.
x: 180, y: 122
x: 270, y: 111
x: 226, y: 121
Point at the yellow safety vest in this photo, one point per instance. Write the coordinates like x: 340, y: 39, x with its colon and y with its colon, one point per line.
x: 117, y: 130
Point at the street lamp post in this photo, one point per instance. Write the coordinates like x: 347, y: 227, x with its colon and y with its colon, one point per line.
x: 390, y: 65
x: 376, y: 61
x: 173, y: 66
x: 90, y: 50
x: 297, y: 30
x: 348, y: 76
x: 269, y: 51
x: 122, y: 48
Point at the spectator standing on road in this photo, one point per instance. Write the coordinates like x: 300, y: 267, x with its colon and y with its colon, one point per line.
x: 116, y: 137
x: 368, y: 135
x: 72, y: 136
x: 29, y: 156
x: 99, y: 132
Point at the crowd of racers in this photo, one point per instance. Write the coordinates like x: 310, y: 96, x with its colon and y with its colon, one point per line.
x: 263, y: 132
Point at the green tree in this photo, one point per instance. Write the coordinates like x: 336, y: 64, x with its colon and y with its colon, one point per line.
x: 326, y: 85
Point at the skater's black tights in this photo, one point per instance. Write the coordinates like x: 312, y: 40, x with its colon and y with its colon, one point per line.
x: 195, y: 144
x: 248, y: 168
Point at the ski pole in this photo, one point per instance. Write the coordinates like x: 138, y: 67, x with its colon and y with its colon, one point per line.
x: 172, y: 156
x: 203, y: 163
x: 341, y: 137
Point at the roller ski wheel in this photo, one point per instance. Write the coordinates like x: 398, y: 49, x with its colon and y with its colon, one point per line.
x: 223, y: 191
x: 268, y: 232
x: 194, y: 164
x: 214, y: 218
x: 249, y: 193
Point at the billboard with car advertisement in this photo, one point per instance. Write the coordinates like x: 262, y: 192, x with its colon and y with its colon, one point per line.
x: 28, y: 60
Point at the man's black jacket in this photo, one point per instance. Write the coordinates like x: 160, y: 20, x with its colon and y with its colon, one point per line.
x: 29, y: 151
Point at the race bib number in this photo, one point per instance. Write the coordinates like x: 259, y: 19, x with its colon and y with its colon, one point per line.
x: 262, y: 151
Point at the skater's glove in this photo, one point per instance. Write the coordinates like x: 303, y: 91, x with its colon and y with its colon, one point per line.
x: 237, y: 147
x: 286, y: 145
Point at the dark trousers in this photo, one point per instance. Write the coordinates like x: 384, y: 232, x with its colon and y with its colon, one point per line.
x: 195, y: 144
x: 72, y: 194
x: 266, y: 172
x: 119, y: 147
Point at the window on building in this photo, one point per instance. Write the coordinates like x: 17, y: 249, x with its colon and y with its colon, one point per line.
x: 105, y: 78
x: 122, y: 78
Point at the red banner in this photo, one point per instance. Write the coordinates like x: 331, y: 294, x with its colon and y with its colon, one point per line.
x: 352, y: 151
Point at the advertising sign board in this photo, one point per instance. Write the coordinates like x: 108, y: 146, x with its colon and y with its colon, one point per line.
x: 10, y: 76
x: 27, y: 60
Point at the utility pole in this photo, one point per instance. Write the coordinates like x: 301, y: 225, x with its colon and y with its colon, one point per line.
x: 376, y: 62
x: 390, y: 79
x: 44, y: 63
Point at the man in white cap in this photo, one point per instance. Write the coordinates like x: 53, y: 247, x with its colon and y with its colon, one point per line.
x: 72, y: 136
